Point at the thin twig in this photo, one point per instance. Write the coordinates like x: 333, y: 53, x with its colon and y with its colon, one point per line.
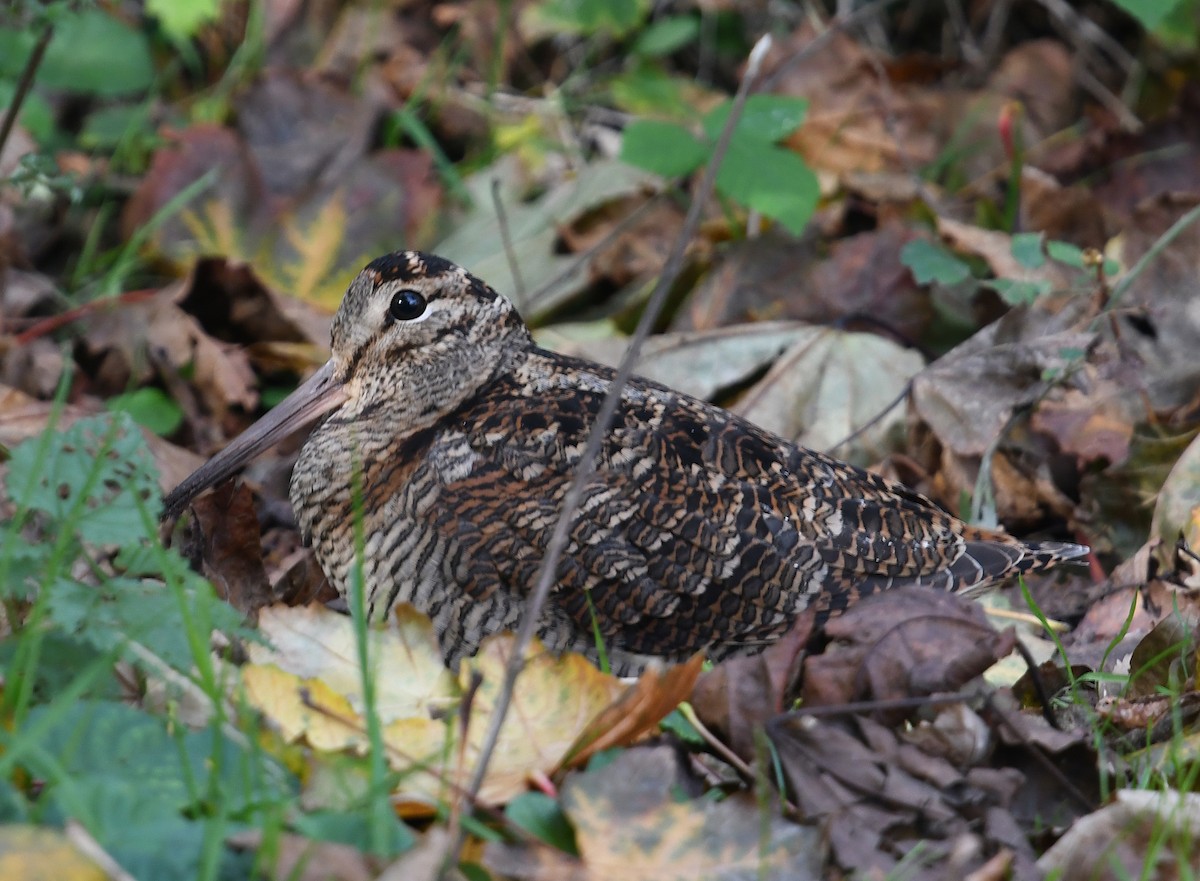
x: 54, y: 322
x: 87, y: 845
x: 1160, y: 244
x: 25, y: 84
x: 548, y: 568
x: 510, y: 253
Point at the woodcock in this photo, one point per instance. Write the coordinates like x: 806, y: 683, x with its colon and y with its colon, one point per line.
x: 453, y: 437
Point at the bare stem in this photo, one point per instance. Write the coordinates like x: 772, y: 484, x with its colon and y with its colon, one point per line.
x: 587, y: 464
x: 25, y: 84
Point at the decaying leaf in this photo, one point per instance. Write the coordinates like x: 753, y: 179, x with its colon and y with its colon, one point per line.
x: 308, y: 683
x: 903, y: 643
x: 634, y: 821
x: 738, y: 696
x: 1142, y: 834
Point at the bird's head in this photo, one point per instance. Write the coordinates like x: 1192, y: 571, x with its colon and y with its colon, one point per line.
x: 414, y: 335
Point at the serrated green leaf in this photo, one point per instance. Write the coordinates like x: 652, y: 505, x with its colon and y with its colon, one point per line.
x: 771, y: 180
x: 1026, y: 249
x: 930, y: 262
x: 765, y: 118
x: 134, y: 784
x: 96, y: 477
x: 662, y: 148
x: 666, y: 36
x: 543, y: 818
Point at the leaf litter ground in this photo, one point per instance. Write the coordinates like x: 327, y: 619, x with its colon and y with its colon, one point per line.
x: 1028, y: 390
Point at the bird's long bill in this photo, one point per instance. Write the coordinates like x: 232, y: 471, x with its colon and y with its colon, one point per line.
x: 316, y: 397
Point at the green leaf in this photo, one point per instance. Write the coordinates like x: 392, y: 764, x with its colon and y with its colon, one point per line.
x: 662, y: 147
x: 1027, y: 249
x: 348, y: 827
x: 182, y: 18
x: 930, y: 262
x: 96, y: 477
x: 1065, y: 252
x: 151, y: 408
x: 765, y: 118
x: 1149, y: 13
x: 94, y: 54
x: 36, y: 116
x: 106, y: 127
x: 543, y: 818
x: 770, y: 180
x: 666, y: 36
x: 647, y: 89
x: 134, y: 784
x: 1017, y: 293
x: 587, y: 17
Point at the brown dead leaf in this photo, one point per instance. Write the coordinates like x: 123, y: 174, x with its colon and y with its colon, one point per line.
x: 969, y: 395
x: 630, y: 823
x: 875, y: 798
x: 1126, y: 839
x: 189, y: 155
x: 230, y: 548
x: 995, y: 248
x: 128, y: 345
x: 737, y: 696
x: 639, y: 251
x: 859, y: 284
x: 1092, y: 426
x: 908, y: 642
x: 233, y: 304
x: 636, y: 712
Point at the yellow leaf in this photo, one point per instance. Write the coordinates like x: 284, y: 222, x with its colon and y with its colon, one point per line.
x: 33, y: 853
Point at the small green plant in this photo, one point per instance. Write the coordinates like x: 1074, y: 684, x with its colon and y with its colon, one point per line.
x: 756, y: 172
x: 931, y: 262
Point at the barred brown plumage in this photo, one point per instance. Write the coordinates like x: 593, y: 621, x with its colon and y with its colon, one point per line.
x: 698, y: 531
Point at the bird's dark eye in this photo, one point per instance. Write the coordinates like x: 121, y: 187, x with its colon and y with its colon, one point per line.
x: 407, y: 305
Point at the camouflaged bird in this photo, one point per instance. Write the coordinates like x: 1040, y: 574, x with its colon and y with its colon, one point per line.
x: 698, y: 530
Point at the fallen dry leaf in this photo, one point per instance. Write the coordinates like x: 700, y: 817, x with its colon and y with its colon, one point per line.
x: 229, y: 545
x: 907, y: 642
x: 738, y: 696
x: 1126, y: 839
x: 308, y: 683
x: 634, y: 821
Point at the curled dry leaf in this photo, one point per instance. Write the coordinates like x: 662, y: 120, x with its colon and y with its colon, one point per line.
x: 636, y: 711
x: 908, y: 642
x: 737, y: 696
x: 876, y: 798
x: 227, y: 532
x: 309, y: 683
